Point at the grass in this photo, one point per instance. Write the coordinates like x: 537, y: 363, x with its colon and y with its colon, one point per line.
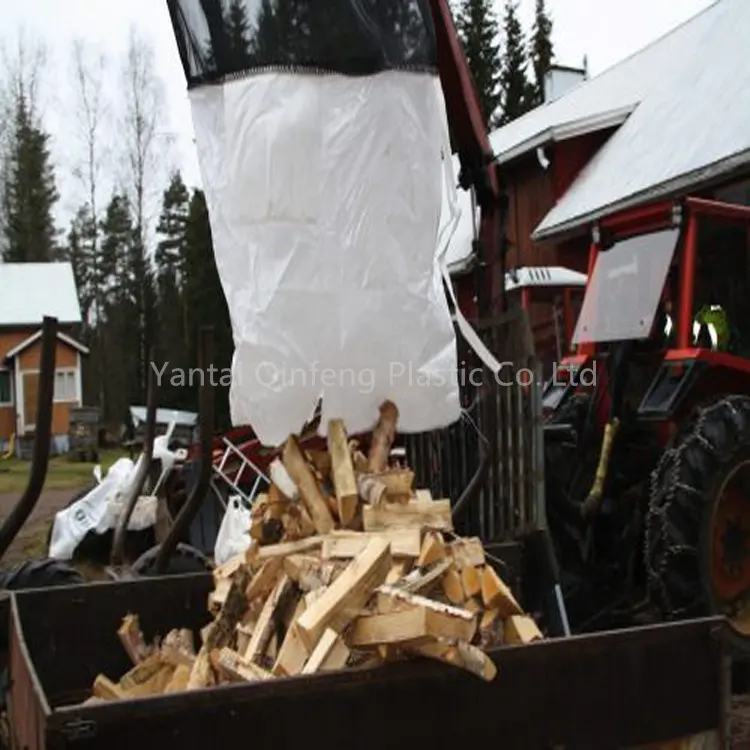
x: 62, y: 473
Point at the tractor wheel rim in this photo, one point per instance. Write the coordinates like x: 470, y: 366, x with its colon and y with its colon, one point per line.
x: 730, y: 548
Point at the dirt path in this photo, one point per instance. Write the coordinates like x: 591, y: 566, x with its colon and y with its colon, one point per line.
x: 31, y: 541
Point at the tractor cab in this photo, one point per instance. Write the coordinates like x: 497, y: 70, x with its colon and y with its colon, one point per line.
x: 649, y: 460
x: 552, y: 296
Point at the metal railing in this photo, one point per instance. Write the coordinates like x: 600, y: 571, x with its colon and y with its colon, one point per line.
x: 497, y: 446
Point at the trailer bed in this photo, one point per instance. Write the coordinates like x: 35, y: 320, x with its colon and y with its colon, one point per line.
x: 612, y: 690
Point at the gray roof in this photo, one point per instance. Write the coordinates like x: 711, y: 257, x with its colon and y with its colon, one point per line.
x: 29, y: 291
x: 684, y: 104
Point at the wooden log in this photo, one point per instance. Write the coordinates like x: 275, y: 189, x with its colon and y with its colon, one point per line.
x: 142, y: 672
x: 293, y: 653
x: 132, y: 639
x: 264, y: 580
x: 467, y: 552
x: 371, y: 489
x: 289, y: 548
x: 398, y: 484
x: 421, y: 580
x: 232, y: 667
x: 342, y: 470
x: 434, y: 515
x: 382, y: 437
x: 309, y: 572
x: 267, y: 620
x: 521, y: 629
x: 496, y: 595
x: 155, y: 685
x: 309, y: 490
x: 341, y: 545
x: 472, y: 580
x: 459, y: 654
x: 423, y: 496
x: 179, y: 680
x: 433, y: 549
x: 425, y: 617
x: 331, y: 653
x: 226, y: 570
x: 341, y: 601
x: 107, y: 690
x: 453, y: 587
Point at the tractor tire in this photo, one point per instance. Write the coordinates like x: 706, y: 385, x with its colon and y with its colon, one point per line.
x: 186, y: 559
x: 697, y: 536
x: 39, y: 574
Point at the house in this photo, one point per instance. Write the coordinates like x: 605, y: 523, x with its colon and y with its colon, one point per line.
x: 28, y: 293
x: 668, y: 121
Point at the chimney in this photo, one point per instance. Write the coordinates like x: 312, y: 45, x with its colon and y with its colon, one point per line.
x: 559, y: 80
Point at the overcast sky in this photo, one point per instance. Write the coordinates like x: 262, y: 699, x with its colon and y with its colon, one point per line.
x: 606, y: 31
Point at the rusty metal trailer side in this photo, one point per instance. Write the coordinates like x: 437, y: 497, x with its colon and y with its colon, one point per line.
x: 616, y: 689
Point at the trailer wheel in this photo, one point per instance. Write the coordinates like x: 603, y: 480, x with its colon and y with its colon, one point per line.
x: 185, y: 559
x: 697, y: 542
x: 40, y: 574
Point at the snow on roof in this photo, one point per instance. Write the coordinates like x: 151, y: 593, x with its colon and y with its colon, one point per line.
x: 29, y: 291
x: 607, y: 98
x: 690, y: 126
x: 543, y: 276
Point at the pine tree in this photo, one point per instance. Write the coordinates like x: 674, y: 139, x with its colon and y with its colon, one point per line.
x: 514, y: 79
x: 30, y: 192
x: 477, y: 27
x: 206, y: 302
x: 173, y: 337
x: 541, y: 50
x: 239, y: 34
x: 80, y: 253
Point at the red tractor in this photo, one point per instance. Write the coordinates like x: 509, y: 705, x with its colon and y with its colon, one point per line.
x: 648, y: 445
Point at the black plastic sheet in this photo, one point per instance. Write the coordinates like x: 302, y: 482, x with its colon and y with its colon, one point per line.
x: 218, y: 39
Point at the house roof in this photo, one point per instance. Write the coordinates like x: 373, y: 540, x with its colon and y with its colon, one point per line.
x: 689, y: 128
x: 680, y: 106
x: 26, y: 343
x: 32, y: 290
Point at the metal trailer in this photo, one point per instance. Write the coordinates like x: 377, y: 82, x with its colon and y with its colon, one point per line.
x: 622, y: 689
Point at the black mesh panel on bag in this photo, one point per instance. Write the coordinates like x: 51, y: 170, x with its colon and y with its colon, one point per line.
x: 221, y: 38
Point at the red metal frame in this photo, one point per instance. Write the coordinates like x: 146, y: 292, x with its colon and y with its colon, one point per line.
x: 716, y: 359
x: 730, y: 211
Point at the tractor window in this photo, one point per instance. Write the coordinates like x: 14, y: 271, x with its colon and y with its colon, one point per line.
x: 625, y: 288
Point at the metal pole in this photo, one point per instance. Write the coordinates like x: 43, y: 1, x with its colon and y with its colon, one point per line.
x: 134, y: 490
x: 200, y: 490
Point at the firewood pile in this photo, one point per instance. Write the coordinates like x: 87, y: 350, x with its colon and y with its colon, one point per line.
x: 348, y: 567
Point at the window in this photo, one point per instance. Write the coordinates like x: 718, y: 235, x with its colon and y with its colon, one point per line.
x: 6, y: 392
x: 65, y: 385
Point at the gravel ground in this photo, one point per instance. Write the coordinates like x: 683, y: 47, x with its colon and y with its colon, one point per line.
x: 32, y: 539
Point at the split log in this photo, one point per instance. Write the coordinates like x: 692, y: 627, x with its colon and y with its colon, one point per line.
x: 348, y: 544
x: 433, y: 549
x: 472, y: 581
x: 342, y: 469
x: 309, y: 490
x: 453, y: 587
x: 132, y: 639
x: 341, y: 601
x: 467, y: 552
x: 371, y: 489
x: 289, y: 548
x: 264, y: 580
x: 459, y: 654
x: 434, y: 515
x: 521, y: 629
x: 383, y: 437
x: 496, y: 595
x: 232, y: 667
x: 421, y: 580
x: 179, y: 680
x: 107, y: 690
x: 267, y: 620
x: 331, y: 653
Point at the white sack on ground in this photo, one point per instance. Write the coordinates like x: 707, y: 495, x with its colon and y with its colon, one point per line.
x: 99, y: 510
x: 324, y: 195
